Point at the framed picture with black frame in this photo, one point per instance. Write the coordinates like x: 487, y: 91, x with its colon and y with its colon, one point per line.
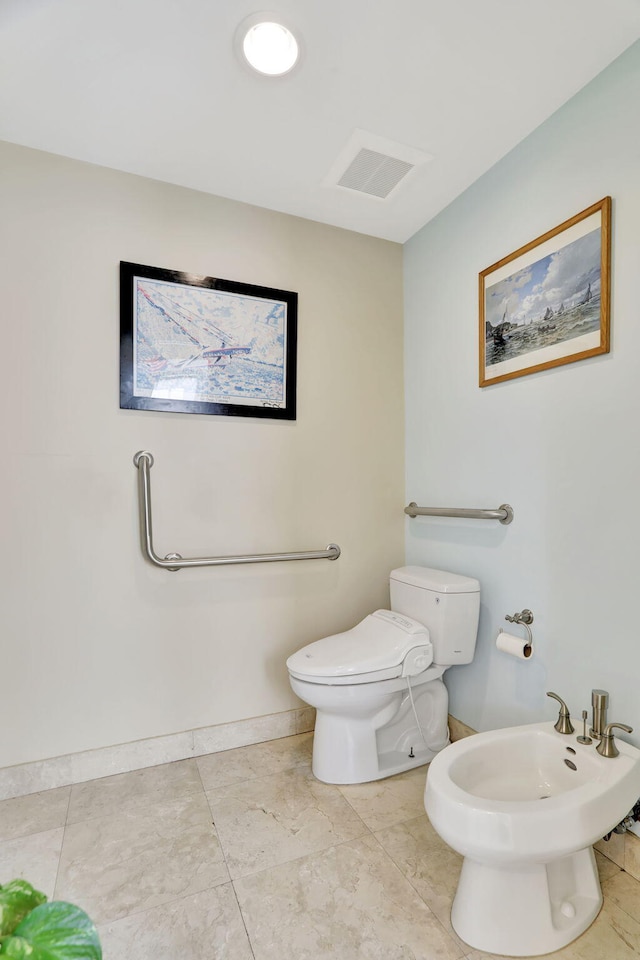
x: 194, y: 344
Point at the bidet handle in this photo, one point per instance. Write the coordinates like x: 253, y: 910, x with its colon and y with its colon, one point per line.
x: 607, y: 746
x: 563, y: 723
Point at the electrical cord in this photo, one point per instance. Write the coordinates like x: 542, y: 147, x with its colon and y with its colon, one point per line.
x: 415, y: 712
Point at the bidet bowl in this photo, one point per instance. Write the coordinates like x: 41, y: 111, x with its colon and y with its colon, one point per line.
x: 528, y: 793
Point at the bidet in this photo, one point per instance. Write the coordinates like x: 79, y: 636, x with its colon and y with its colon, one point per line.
x: 523, y: 809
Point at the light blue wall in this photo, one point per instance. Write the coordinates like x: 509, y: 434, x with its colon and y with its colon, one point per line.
x: 562, y: 446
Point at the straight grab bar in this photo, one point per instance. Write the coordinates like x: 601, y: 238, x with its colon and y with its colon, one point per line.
x: 504, y: 513
x: 143, y: 460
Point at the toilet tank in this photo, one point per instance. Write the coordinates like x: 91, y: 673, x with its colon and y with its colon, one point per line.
x: 447, y: 603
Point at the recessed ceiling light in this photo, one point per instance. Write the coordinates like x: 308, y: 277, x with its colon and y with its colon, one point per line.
x: 267, y: 45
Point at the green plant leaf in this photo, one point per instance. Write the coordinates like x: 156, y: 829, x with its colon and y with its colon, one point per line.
x: 54, y: 931
x: 17, y: 899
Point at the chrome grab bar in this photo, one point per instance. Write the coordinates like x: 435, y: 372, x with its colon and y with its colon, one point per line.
x: 504, y: 513
x: 143, y: 460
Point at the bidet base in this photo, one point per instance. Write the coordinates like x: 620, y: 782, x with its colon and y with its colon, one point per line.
x: 526, y: 909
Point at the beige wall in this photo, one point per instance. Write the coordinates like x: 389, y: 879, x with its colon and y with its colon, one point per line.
x: 99, y: 647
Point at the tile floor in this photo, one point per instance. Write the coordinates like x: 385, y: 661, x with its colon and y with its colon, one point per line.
x: 243, y: 854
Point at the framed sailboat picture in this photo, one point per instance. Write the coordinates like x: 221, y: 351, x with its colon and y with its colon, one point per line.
x: 194, y: 344
x: 548, y: 303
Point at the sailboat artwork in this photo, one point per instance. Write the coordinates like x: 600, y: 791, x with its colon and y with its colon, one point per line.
x: 548, y: 303
x: 203, y: 345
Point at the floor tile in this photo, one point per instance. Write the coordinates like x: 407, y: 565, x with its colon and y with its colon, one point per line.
x: 205, y: 926
x: 258, y: 760
x: 623, y: 890
x: 606, y: 868
x: 34, y: 858
x: 427, y: 862
x: 613, y: 848
x: 349, y: 902
x: 141, y: 855
x: 128, y: 792
x: 273, y: 819
x: 125, y: 863
x: 632, y: 855
x: 384, y: 803
x: 33, y: 813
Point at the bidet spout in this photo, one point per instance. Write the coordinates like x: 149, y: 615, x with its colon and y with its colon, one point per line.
x: 599, y: 702
x: 563, y: 723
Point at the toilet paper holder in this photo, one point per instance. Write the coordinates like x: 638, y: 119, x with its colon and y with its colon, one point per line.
x: 525, y: 618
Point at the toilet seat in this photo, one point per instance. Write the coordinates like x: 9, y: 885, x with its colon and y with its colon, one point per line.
x: 382, y: 646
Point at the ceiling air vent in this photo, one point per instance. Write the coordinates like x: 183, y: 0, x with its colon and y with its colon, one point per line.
x: 374, y: 173
x: 373, y: 165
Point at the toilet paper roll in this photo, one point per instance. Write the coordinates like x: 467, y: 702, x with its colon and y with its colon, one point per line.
x: 516, y: 646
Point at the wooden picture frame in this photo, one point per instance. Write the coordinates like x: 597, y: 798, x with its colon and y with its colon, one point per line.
x: 194, y: 344
x: 548, y: 303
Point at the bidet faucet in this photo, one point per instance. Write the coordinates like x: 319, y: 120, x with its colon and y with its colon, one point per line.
x: 599, y: 702
x: 563, y: 723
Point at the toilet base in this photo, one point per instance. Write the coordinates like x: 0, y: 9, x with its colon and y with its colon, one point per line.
x: 526, y: 909
x: 358, y: 740
x: 384, y: 765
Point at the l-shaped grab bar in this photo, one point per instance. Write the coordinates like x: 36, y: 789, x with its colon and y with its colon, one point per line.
x: 143, y: 460
x: 504, y: 513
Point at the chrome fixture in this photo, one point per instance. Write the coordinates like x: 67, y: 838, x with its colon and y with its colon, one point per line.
x: 524, y: 618
x: 563, y: 723
x: 173, y: 561
x: 584, y: 738
x: 504, y: 513
x: 599, y: 702
x: 607, y: 746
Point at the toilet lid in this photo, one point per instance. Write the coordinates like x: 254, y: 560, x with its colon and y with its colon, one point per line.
x: 379, y: 643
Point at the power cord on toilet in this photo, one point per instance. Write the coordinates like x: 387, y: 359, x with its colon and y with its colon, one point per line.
x: 415, y: 713
x: 416, y: 661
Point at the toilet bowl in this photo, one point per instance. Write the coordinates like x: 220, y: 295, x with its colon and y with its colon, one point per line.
x: 381, y: 704
x: 523, y: 806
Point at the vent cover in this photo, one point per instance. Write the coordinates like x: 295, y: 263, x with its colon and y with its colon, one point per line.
x: 373, y: 166
x: 374, y: 173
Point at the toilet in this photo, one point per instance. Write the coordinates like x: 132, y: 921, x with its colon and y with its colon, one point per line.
x: 381, y: 704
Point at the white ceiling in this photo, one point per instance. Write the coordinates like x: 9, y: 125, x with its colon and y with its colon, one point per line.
x: 154, y: 87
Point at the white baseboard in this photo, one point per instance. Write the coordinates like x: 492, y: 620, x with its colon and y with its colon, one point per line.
x: 105, y: 761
